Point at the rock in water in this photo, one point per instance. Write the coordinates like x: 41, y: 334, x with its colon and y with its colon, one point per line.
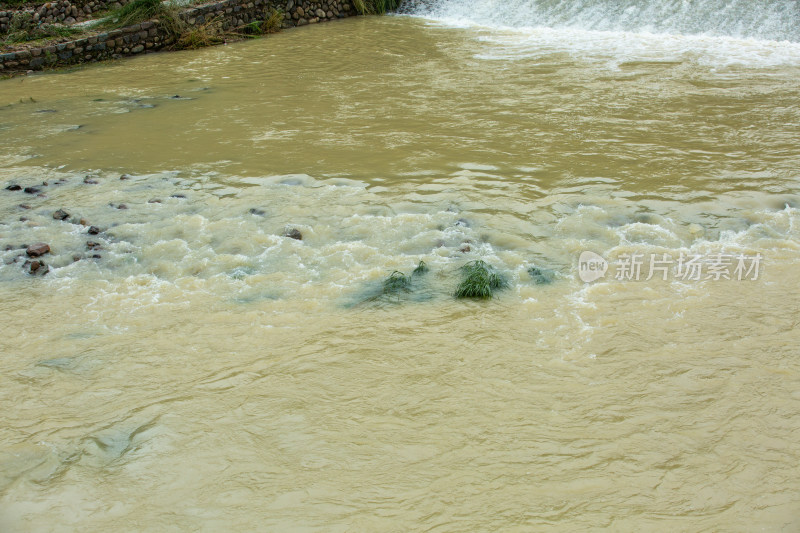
x: 36, y: 267
x: 35, y: 250
x: 541, y: 276
x: 60, y: 215
x: 293, y: 233
x: 94, y: 230
x: 13, y: 188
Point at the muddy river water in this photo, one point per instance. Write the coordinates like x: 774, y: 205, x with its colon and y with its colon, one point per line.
x: 197, y: 370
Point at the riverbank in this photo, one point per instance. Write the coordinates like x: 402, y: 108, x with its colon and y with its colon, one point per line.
x: 204, y: 25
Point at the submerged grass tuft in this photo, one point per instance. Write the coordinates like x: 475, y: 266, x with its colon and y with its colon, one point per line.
x: 480, y: 281
x: 396, y: 282
x: 422, y: 268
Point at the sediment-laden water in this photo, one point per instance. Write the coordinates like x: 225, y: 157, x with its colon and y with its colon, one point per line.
x: 193, y: 368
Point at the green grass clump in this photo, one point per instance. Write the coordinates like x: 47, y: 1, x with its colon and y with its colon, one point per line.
x: 480, y: 281
x: 271, y: 24
x: 541, y: 276
x: 422, y: 268
x: 396, y: 282
x: 375, y: 7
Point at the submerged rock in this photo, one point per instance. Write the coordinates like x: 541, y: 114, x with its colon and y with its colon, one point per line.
x: 14, y: 187
x: 541, y: 276
x: 93, y: 230
x: 293, y: 233
x: 124, y: 177
x: 257, y: 211
x: 90, y: 181
x: 40, y: 248
x: 60, y: 215
x: 153, y: 201
x: 36, y: 267
x: 92, y: 245
x: 31, y: 190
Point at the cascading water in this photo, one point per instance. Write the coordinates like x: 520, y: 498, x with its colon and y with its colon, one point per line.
x: 714, y: 33
x: 777, y: 20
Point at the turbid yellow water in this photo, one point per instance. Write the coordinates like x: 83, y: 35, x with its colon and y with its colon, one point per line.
x: 207, y: 373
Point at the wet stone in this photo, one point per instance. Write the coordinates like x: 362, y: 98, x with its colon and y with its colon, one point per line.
x: 122, y: 206
x: 293, y: 233
x: 178, y: 196
x: 153, y: 201
x: 92, y: 245
x: 124, y: 177
x: 60, y: 215
x: 94, y: 230
x: 24, y: 206
x: 90, y: 181
x: 14, y: 187
x: 464, y: 248
x: 31, y: 190
x: 256, y: 211
x: 35, y: 250
x: 36, y: 267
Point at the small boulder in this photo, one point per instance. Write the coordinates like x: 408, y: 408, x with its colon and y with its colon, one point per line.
x: 122, y: 206
x: 14, y: 188
x: 35, y: 250
x: 36, y: 267
x: 31, y: 190
x: 293, y: 233
x: 90, y: 181
x: 60, y: 215
x: 94, y: 230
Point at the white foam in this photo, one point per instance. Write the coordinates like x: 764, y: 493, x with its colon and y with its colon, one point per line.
x: 712, y: 32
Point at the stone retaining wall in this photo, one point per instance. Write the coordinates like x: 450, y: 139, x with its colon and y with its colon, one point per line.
x: 60, y: 11
x: 150, y: 36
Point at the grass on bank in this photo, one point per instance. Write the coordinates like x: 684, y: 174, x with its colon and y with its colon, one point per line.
x: 272, y: 23
x: 375, y: 7
x: 22, y: 28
